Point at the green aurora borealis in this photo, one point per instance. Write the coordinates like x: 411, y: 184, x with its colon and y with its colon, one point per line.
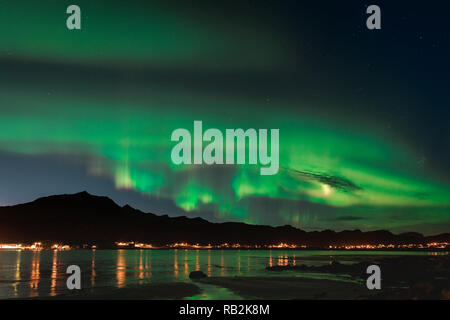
x: 106, y: 99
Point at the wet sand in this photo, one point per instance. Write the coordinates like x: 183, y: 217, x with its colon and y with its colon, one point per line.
x: 282, y: 288
x: 408, y: 277
x: 154, y: 291
x: 405, y: 277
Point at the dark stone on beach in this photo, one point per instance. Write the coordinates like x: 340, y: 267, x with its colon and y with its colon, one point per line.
x: 404, y: 277
x: 334, y: 267
x: 197, y: 275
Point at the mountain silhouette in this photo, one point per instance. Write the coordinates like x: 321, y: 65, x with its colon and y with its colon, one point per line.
x: 84, y: 218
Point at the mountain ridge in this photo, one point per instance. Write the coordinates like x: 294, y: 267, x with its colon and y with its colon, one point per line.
x: 85, y: 218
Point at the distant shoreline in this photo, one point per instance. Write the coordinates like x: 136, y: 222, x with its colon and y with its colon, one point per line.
x: 447, y: 250
x: 88, y: 221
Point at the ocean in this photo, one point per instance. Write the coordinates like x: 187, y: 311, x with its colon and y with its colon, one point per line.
x: 42, y: 274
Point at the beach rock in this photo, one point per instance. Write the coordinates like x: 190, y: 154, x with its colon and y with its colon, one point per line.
x: 197, y: 275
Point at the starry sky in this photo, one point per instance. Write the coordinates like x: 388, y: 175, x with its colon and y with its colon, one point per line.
x: 363, y: 114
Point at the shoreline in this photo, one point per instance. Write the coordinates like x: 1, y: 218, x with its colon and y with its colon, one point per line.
x: 443, y: 250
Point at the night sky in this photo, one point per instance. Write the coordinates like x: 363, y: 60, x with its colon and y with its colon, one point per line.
x: 363, y: 115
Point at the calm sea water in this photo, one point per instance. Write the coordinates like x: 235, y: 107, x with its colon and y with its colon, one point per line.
x: 25, y: 274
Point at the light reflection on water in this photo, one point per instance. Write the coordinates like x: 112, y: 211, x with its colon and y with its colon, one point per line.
x: 43, y: 273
